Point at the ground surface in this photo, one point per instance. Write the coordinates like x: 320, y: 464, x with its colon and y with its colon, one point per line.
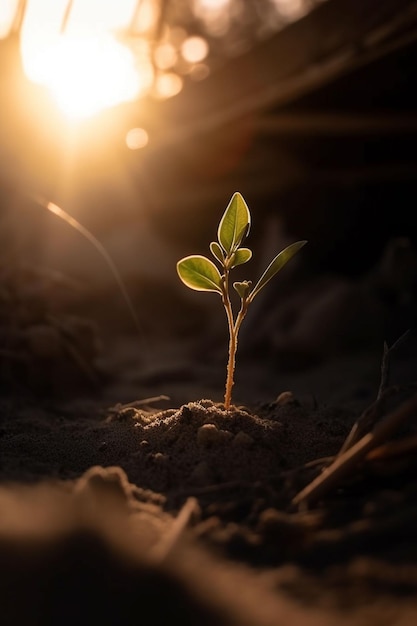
x: 129, y: 495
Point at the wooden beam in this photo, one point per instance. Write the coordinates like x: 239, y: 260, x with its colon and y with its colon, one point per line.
x: 337, y: 37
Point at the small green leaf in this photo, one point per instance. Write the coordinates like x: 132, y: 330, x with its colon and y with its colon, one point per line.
x: 234, y: 225
x: 199, y: 273
x: 276, y: 264
x: 243, y: 233
x: 242, y: 288
x: 217, y: 251
x: 242, y: 255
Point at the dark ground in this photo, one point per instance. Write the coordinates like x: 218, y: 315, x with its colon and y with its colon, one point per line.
x: 128, y: 498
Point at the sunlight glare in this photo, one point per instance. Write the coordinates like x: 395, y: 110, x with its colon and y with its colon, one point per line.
x: 102, y: 15
x: 85, y: 68
x: 86, y: 75
x: 215, y: 14
x: 145, y: 17
x: 7, y: 12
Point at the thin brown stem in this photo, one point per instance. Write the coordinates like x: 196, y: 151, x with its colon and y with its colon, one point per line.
x: 230, y: 371
x: 232, y: 343
x: 234, y: 328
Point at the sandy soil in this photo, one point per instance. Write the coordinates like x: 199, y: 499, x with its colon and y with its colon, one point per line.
x: 129, y: 495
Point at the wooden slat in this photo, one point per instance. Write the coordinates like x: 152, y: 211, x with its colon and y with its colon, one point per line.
x: 335, y: 38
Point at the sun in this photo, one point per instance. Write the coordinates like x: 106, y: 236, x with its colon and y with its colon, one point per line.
x: 86, y: 74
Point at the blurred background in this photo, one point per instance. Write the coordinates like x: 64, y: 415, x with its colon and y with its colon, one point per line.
x: 141, y: 118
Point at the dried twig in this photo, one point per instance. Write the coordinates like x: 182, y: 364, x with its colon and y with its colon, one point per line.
x: 136, y: 403
x: 344, y: 464
x: 393, y: 449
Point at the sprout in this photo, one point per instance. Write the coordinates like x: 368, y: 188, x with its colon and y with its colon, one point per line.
x: 201, y: 274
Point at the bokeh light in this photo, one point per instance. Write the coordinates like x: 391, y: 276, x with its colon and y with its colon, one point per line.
x: 291, y: 9
x: 200, y: 71
x: 165, y: 56
x: 94, y: 54
x: 194, y: 49
x: 213, y: 5
x: 137, y: 138
x: 168, y: 85
x: 215, y: 14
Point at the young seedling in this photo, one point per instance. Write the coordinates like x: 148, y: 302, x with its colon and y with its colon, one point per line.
x: 201, y: 274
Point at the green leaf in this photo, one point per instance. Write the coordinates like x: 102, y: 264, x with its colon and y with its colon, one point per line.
x: 199, y: 273
x: 242, y: 255
x: 243, y: 233
x: 242, y: 288
x: 276, y: 264
x: 234, y: 225
x: 217, y: 251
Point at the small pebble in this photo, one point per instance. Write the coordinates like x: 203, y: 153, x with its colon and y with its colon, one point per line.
x: 286, y: 398
x: 242, y: 440
x: 160, y: 459
x: 209, y: 435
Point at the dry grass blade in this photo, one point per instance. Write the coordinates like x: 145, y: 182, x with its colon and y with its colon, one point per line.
x: 76, y: 225
x: 367, y: 420
x: 393, y: 449
x: 372, y: 414
x: 144, y: 402
x: 348, y: 461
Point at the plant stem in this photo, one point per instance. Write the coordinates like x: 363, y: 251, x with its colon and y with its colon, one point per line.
x: 234, y: 327
x: 232, y: 342
x: 230, y: 371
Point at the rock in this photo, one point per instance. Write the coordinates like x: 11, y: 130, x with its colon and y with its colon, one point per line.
x: 286, y: 398
x: 242, y: 440
x: 210, y: 435
x: 160, y: 459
